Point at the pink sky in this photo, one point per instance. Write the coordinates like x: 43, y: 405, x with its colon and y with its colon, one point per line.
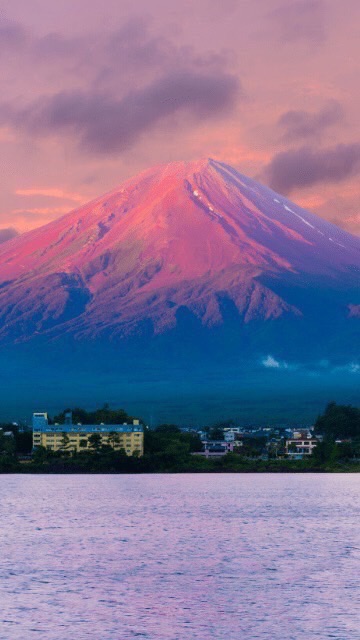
x: 94, y: 92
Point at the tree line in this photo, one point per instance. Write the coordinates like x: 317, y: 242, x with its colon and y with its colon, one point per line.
x: 169, y: 449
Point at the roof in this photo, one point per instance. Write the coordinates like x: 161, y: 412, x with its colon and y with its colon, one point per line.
x: 89, y: 428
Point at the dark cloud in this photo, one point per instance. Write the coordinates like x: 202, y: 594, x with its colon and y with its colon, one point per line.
x: 131, y: 79
x: 45, y: 49
x: 133, y: 48
x: 103, y: 123
x: 134, y: 53
x: 305, y: 167
x: 54, y: 45
x: 7, y: 234
x: 304, y: 124
x: 301, y: 20
x: 12, y: 36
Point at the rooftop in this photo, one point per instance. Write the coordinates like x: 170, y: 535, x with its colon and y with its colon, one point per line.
x: 89, y: 428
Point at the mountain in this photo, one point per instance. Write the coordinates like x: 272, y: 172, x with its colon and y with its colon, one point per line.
x: 188, y: 261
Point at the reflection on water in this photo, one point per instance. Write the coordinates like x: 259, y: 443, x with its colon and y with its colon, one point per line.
x: 173, y: 557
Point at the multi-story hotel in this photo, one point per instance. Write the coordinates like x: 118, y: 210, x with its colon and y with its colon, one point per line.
x: 77, y: 437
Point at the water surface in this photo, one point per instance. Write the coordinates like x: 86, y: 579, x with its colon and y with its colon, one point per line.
x: 173, y: 557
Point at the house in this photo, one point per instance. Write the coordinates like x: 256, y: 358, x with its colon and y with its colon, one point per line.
x: 297, y: 448
x: 215, y: 448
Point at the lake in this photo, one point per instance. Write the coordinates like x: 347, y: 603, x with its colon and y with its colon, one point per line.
x: 180, y: 557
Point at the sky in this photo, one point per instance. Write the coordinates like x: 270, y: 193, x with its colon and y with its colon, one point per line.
x: 93, y: 92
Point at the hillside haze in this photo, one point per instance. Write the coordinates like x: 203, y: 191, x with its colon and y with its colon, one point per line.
x: 188, y: 274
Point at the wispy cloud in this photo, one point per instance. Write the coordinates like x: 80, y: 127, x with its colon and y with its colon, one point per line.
x: 29, y: 218
x: 323, y: 367
x: 271, y: 363
x: 302, y: 20
x: 41, y: 211
x: 351, y: 367
x: 52, y: 193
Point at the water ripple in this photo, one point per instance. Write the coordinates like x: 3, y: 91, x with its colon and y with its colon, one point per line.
x: 168, y: 557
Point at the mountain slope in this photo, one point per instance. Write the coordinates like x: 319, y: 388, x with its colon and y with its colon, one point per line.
x: 185, y: 235
x: 189, y: 293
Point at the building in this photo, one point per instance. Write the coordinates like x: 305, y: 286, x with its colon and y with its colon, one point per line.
x: 296, y: 448
x: 215, y: 448
x: 39, y: 420
x: 78, y: 437
x: 233, y: 434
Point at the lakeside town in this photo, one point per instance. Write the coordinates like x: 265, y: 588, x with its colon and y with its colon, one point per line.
x: 112, y: 441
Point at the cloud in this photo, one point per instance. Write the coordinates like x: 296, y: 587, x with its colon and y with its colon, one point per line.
x: 344, y: 207
x: 304, y: 20
x: 304, y: 124
x: 106, y: 89
x: 304, y: 167
x: 135, y: 47
x: 13, y: 36
x: 40, y: 211
x: 131, y: 52
x: 270, y: 363
x: 7, y: 234
x: 324, y: 367
x: 51, y: 193
x: 26, y: 219
x: 351, y: 367
x: 354, y: 310
x: 103, y: 123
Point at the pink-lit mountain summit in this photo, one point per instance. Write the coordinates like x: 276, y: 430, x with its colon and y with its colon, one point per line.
x: 190, y: 291
x: 184, y: 235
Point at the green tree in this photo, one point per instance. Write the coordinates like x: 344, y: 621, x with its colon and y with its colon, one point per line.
x: 345, y: 450
x: 339, y: 421
x: 168, y: 428
x: 41, y: 454
x: 65, y: 442
x: 95, y: 441
x: 216, y: 433
x: 7, y: 445
x: 23, y: 441
x: 193, y: 440
x: 325, y: 451
x: 253, y: 447
x: 114, y: 439
x: 103, y: 415
x: 292, y: 448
